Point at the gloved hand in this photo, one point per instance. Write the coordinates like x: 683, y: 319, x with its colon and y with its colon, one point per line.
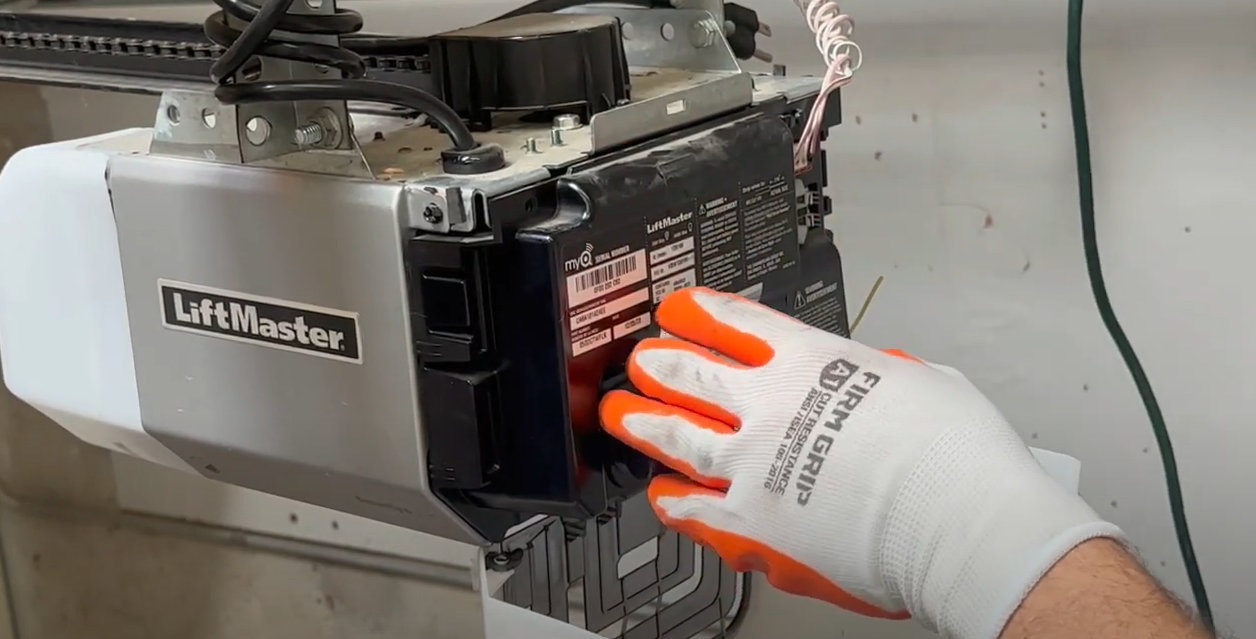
x: 881, y: 483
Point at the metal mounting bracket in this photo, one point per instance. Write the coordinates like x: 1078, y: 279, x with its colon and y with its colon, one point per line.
x: 195, y: 125
x: 688, y: 39
x: 311, y: 136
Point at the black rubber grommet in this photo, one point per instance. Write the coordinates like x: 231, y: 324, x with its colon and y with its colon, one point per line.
x: 484, y: 158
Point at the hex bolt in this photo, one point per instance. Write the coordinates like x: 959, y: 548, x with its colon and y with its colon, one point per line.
x: 529, y: 146
x: 432, y: 214
x: 311, y: 134
x: 703, y: 34
x: 556, y: 137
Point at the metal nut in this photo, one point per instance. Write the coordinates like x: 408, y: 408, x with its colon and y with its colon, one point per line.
x: 323, y: 130
x: 567, y: 122
x: 703, y: 34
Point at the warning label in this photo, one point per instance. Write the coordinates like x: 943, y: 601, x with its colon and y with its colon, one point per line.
x: 820, y: 304
x: 730, y: 242
x: 608, y: 300
x: 720, y: 226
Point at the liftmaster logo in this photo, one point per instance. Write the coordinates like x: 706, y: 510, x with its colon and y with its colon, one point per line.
x: 263, y: 321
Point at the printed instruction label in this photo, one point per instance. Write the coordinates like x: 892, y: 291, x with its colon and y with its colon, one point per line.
x: 741, y: 236
x: 672, y: 243
x: 771, y: 227
x: 730, y: 242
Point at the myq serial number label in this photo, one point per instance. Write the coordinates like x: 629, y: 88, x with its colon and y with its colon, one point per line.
x: 262, y: 321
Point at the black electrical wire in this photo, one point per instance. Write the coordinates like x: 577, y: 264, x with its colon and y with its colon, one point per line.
x: 360, y: 90
x: 1086, y: 194
x: 255, y: 40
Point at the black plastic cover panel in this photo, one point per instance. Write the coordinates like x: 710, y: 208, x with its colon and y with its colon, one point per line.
x: 627, y: 577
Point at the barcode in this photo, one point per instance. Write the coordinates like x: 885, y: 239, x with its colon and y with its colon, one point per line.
x: 604, y: 274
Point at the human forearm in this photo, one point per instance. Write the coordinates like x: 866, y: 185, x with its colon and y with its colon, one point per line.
x: 1100, y: 590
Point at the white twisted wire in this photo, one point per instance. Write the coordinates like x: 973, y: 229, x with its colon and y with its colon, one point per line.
x: 842, y: 56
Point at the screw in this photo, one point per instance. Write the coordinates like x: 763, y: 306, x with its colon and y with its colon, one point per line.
x: 567, y: 121
x: 505, y: 560
x: 530, y: 146
x: 309, y: 135
x: 432, y: 214
x: 556, y: 137
x: 703, y: 33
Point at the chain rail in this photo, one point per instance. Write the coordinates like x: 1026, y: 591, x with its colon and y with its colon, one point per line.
x: 155, y: 50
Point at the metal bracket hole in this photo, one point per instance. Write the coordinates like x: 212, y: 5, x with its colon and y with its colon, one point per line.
x: 257, y: 131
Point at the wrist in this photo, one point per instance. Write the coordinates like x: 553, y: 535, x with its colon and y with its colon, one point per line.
x: 1099, y: 589
x: 976, y: 526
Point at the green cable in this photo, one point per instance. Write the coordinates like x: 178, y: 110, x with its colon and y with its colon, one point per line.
x: 1086, y: 194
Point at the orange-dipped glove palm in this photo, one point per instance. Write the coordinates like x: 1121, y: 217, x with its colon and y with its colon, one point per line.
x: 884, y: 484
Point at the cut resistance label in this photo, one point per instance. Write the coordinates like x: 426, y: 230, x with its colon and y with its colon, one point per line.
x: 608, y: 301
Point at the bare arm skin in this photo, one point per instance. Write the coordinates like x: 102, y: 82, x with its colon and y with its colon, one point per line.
x: 1099, y: 590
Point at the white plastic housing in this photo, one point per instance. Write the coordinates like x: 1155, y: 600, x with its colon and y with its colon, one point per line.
x: 65, y: 343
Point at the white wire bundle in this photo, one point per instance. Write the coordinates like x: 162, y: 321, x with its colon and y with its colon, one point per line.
x: 842, y: 57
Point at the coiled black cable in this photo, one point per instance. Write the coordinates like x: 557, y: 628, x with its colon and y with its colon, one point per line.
x: 255, y: 40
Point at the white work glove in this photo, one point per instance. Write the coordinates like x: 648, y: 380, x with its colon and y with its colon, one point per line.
x: 873, y: 480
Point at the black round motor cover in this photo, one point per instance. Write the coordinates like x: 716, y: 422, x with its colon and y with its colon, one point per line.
x: 534, y: 62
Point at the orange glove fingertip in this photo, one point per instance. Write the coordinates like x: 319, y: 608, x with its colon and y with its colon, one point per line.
x: 647, y: 385
x: 681, y: 314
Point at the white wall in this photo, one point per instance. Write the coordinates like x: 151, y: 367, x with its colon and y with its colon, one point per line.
x: 954, y: 178
x: 959, y: 187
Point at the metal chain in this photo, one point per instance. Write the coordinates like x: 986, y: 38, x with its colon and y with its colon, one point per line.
x: 108, y: 46
x: 164, y: 49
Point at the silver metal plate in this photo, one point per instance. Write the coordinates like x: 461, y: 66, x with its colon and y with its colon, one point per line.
x: 686, y: 39
x: 343, y: 433
x: 193, y: 124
